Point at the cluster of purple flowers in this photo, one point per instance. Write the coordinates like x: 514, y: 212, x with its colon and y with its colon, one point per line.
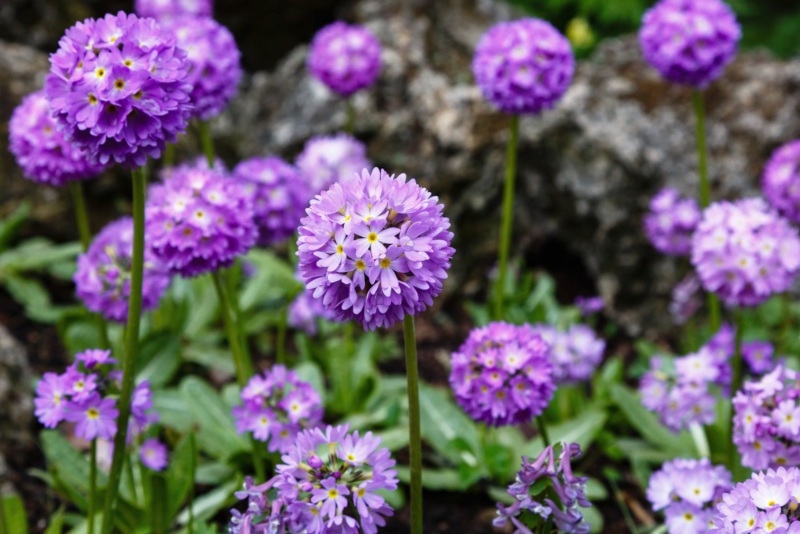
x: 164, y: 9
x: 574, y: 353
x: 85, y: 394
x: 686, y: 299
x: 766, y: 502
x: 759, y: 356
x: 375, y: 249
x: 766, y: 420
x: 117, y: 87
x: 328, y: 482
x: 41, y: 149
x: 279, y: 195
x: 523, y: 66
x: 680, y: 391
x: 214, y: 62
x: 345, y: 57
x: 687, y: 491
x: 276, y: 406
x: 103, y: 277
x: 570, y: 490
x: 199, y: 220
x: 781, y: 180
x: 689, y: 41
x: 671, y: 222
x: 328, y: 159
x: 744, y: 251
x: 502, y: 375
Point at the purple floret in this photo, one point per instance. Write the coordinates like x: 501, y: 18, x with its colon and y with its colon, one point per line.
x: 304, y: 312
x: 689, y: 41
x: 328, y: 159
x: 686, y: 299
x: 781, y: 180
x: 345, y: 57
x: 758, y: 355
x: 523, y: 67
x: 766, y: 502
x: 164, y: 9
x: 199, y: 220
x: 745, y: 252
x: 501, y: 375
x: 43, y: 152
x: 117, y: 87
x: 280, y: 196
x: 375, y: 249
x: 154, y: 455
x: 575, y: 353
x: 671, y: 222
x: 214, y: 63
x: 103, y: 278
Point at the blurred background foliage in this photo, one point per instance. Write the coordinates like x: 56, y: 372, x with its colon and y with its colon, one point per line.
x: 774, y: 24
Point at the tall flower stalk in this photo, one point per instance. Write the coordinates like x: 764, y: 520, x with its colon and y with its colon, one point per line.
x: 508, y: 215
x: 414, y: 429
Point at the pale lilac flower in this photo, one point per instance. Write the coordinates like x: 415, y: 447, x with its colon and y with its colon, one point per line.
x: 589, y: 305
x: 95, y: 417
x: 766, y: 502
x: 758, y: 355
x: 345, y: 57
x: 328, y: 159
x: 781, y: 180
x: 575, y: 352
x: 153, y: 454
x: 671, y: 222
x: 686, y: 299
x: 161, y: 9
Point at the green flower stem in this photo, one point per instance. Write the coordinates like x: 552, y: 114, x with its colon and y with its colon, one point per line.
x: 715, y: 314
x: 3, y: 526
x: 350, y: 125
x: 206, y: 142
x: 85, y: 233
x: 280, y: 344
x: 414, y: 432
x: 508, y: 216
x: 169, y: 155
x: 542, y: 427
x: 734, y: 462
x: 244, y: 368
x: 92, y: 485
x: 131, y: 348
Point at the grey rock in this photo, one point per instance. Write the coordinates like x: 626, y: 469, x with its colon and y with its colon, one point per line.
x: 15, y: 397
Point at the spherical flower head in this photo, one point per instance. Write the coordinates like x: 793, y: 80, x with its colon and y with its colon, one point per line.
x: 689, y: 41
x: 43, y: 152
x: 327, y: 159
x: 153, y: 455
x: 523, y: 67
x: 745, y: 252
x: 502, y: 375
x: 766, y: 502
x: 689, y: 488
x: 117, y: 87
x: 375, y: 249
x: 199, y: 220
x: 161, y: 9
x: 575, y: 353
x: 279, y: 194
x: 276, y: 406
x: 103, y: 277
x: 781, y: 180
x: 214, y: 62
x: 345, y: 57
x: 671, y: 222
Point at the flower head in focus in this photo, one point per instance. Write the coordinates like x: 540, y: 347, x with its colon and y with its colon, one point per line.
x: 766, y: 502
x: 345, y: 57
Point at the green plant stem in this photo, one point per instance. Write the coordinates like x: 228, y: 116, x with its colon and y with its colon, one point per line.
x: 542, y: 427
x: 626, y: 513
x: 206, y: 142
x: 508, y: 216
x: 734, y: 462
x: 350, y: 125
x: 169, y: 155
x: 92, y: 485
x: 244, y: 368
x: 280, y: 348
x: 131, y: 348
x: 414, y: 432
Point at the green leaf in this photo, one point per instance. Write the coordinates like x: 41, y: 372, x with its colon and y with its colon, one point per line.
x: 56, y: 525
x: 205, y: 506
x: 273, y: 280
x: 435, y: 479
x: 71, y: 466
x: 37, y: 254
x: 14, y: 511
x: 217, y: 434
x: 159, y: 358
x: 593, y: 517
x: 595, y: 490
x: 34, y: 298
x: 12, y: 221
x: 446, y: 428
x: 159, y: 503
x: 179, y: 476
x: 173, y: 410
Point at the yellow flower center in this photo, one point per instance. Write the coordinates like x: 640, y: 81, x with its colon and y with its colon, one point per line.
x: 119, y: 84
x: 92, y: 413
x: 385, y: 262
x: 372, y: 237
x: 360, y: 265
x: 333, y: 493
x: 127, y: 62
x: 100, y: 72
x: 340, y: 249
x: 92, y: 99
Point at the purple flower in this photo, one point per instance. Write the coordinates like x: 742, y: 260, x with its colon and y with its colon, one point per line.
x: 781, y: 180
x: 766, y: 420
x: 279, y: 194
x: 319, y: 490
x: 589, y: 305
x: 304, y: 312
x: 103, y: 277
x: 159, y: 9
x: 671, y: 222
x: 689, y: 41
x: 766, y: 502
x: 375, y: 248
x: 556, y: 470
x: 326, y: 160
x: 214, y: 62
x: 345, y: 57
x: 276, y: 406
x: 95, y: 417
x: 574, y: 353
x: 744, y: 252
x: 501, y: 375
x: 686, y: 299
x: 41, y: 149
x: 758, y: 355
x: 681, y: 391
x: 95, y: 357
x: 153, y: 455
x: 199, y: 221
x: 523, y: 66
x: 687, y: 491
x: 50, y: 400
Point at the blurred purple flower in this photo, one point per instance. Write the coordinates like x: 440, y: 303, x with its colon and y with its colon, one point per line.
x: 345, y: 57
x: 671, y: 222
x: 781, y: 180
